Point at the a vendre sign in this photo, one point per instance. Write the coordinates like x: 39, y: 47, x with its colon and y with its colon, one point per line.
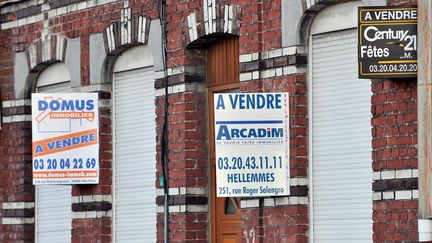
x: 65, y: 130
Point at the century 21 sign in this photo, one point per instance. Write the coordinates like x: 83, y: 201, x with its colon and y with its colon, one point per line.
x: 387, y: 42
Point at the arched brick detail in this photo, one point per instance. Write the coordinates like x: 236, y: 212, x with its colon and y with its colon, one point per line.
x: 47, y: 51
x: 41, y: 54
x: 212, y: 18
x: 130, y: 30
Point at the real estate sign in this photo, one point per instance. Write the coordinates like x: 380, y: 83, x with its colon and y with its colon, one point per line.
x: 387, y: 42
x: 65, y: 130
x: 252, y: 144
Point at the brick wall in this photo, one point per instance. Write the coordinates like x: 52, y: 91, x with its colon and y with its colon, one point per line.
x: 16, y: 221
x: 265, y: 67
x: 394, y: 144
x: 394, y: 131
x: 91, y: 205
x: 188, y: 166
x: 283, y: 218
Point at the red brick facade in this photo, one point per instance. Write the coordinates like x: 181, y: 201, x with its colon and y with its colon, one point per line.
x: 258, y: 25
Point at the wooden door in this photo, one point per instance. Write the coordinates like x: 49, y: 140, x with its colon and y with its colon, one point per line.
x: 222, y: 76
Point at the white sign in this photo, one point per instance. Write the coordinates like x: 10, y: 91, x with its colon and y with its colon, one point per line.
x: 65, y: 138
x: 252, y: 144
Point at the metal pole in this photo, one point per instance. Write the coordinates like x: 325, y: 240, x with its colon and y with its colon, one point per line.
x: 164, y: 137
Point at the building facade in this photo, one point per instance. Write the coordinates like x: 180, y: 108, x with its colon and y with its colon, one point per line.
x: 353, y: 173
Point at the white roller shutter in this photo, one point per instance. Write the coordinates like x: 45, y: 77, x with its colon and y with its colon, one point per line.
x: 341, y: 141
x: 135, y: 156
x: 53, y: 213
x: 53, y: 202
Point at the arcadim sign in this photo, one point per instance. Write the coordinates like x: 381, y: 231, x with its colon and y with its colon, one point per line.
x: 252, y: 144
x: 387, y: 42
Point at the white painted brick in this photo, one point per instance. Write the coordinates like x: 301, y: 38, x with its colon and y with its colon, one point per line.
x: 269, y: 202
x: 90, y: 214
x: 5, y: 26
x: 298, y: 200
x: 101, y: 2
x: 103, y: 214
x: 174, y: 209
x: 293, y: 200
x: 87, y: 198
x: 255, y: 75
x: 303, y: 200
x: 177, y: 70
x: 376, y: 176
x: 275, y: 53
x: 75, y: 200
x: 415, y: 173
x: 183, y: 190
x: 400, y: 195
x: 81, y: 5
x: 22, y: 22
x: 301, y: 50
x: 376, y: 196
x: 31, y: 20
x: 52, y: 13
x: 178, y: 88
x: 403, y: 173
x: 197, y: 208
x: 7, y: 103
x: 255, y: 56
x: 91, y: 3
x: 415, y: 194
x: 39, y: 18
x: 159, y: 92
x: 18, y: 205
x: 107, y: 198
x: 264, y: 55
x: 387, y: 175
x: 289, y: 51
x: 182, y: 208
x: 97, y: 198
x: 254, y: 203
x: 71, y: 8
x: 245, y: 76
x: 62, y: 10
x: 268, y: 73
x: 7, y: 119
x: 45, y: 7
x: 293, y: 70
x: 16, y: 118
x: 281, y: 201
x: 174, y: 191
x: 245, y: 58
x: 196, y: 191
x: 299, y: 181
x: 388, y: 195
x: 79, y: 215
x: 279, y: 71
x: 18, y: 220
x: 159, y: 209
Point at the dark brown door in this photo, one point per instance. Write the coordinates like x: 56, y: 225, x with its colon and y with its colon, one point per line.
x: 222, y: 76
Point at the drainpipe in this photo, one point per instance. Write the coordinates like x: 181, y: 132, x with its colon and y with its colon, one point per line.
x: 424, y: 91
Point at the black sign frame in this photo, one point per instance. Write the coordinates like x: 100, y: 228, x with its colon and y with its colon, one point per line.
x: 387, y: 42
